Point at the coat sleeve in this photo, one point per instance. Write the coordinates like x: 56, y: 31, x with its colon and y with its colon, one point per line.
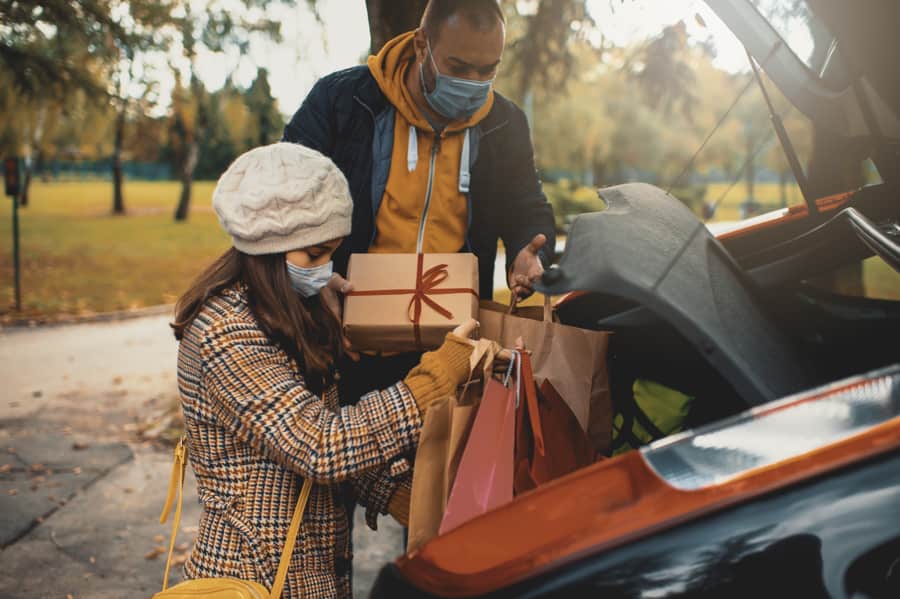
x: 256, y: 394
x: 374, y: 488
x: 526, y: 205
x: 313, y: 124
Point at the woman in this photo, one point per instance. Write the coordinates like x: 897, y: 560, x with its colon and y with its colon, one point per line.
x: 257, y: 380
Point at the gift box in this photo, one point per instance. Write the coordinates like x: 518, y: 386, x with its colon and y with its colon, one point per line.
x: 408, y: 302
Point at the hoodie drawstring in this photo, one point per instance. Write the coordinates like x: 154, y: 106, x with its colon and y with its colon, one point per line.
x: 412, y: 150
x: 412, y: 158
x: 464, y: 175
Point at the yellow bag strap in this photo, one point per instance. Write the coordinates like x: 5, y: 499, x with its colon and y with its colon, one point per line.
x: 176, y: 484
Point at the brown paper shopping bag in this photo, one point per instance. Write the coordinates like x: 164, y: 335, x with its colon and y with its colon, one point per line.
x: 442, y: 440
x: 572, y: 359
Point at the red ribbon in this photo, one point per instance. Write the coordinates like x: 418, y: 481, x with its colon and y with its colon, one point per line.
x: 426, y: 286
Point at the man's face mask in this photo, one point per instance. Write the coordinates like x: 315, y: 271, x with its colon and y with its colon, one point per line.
x: 455, y: 98
x: 309, y: 281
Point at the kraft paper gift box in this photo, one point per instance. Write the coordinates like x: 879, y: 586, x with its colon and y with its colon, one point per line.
x: 408, y: 302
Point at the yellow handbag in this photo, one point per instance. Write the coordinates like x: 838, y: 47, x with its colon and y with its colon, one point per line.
x: 222, y: 588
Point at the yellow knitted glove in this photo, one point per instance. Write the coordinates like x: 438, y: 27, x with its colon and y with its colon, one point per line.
x: 398, y: 506
x: 440, y: 372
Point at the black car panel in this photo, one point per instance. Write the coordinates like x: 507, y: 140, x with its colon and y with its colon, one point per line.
x: 840, y: 110
x: 647, y: 247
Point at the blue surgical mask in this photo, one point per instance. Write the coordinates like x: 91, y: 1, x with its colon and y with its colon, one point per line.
x: 309, y: 281
x: 455, y: 98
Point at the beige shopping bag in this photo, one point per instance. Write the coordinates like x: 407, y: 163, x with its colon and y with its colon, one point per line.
x: 441, y: 443
x: 572, y: 359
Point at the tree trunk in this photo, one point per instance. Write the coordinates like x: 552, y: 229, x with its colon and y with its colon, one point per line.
x: 34, y: 152
x: 26, y: 185
x: 118, y: 199
x: 390, y: 18
x: 187, y: 179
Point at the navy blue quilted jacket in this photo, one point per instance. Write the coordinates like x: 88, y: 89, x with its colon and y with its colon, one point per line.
x: 348, y: 118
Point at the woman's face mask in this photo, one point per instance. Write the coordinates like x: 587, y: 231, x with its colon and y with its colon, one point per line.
x: 309, y: 281
x: 455, y: 98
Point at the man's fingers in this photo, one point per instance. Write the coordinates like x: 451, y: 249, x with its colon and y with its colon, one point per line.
x: 537, y: 243
x: 522, y: 292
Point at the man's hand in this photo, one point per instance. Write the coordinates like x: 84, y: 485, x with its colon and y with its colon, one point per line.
x: 527, y: 268
x: 330, y: 296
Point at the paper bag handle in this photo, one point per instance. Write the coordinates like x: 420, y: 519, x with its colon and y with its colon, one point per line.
x: 531, y: 402
x: 548, y: 307
x: 485, y: 351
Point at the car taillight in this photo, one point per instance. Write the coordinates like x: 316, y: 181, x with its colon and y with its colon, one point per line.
x: 776, y: 432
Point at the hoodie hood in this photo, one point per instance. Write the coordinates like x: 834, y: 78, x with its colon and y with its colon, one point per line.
x: 389, y: 68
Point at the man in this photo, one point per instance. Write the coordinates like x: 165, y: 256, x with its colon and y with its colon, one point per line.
x: 437, y: 161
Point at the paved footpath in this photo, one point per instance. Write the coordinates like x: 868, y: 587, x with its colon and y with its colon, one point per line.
x: 80, y: 486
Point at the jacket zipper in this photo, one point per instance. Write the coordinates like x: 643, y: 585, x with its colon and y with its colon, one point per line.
x: 434, y: 150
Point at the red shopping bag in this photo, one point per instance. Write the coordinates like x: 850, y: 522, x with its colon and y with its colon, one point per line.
x: 484, y: 479
x: 549, y: 440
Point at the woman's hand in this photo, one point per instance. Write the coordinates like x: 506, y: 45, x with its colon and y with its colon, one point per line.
x: 331, y: 295
x: 469, y: 329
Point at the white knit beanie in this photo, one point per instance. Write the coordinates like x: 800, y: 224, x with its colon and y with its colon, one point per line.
x: 282, y: 197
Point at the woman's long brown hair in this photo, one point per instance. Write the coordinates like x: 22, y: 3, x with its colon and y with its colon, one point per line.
x: 303, y: 327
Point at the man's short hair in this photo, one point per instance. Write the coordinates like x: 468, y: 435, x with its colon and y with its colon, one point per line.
x: 481, y: 14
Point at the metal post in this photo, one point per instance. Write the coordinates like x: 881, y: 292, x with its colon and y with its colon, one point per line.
x: 16, y: 264
x: 13, y: 190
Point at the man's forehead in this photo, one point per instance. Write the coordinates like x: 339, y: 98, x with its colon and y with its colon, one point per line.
x: 460, y: 38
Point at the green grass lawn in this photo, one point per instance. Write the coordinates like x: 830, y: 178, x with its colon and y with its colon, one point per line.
x: 79, y: 259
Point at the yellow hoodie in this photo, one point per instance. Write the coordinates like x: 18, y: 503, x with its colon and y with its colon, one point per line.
x: 406, y: 208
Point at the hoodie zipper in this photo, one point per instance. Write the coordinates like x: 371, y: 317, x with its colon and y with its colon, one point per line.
x: 435, y: 148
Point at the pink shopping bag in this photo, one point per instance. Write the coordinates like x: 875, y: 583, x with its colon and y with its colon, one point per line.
x: 484, y: 479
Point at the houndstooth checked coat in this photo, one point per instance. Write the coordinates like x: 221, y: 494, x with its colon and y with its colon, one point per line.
x: 254, y: 431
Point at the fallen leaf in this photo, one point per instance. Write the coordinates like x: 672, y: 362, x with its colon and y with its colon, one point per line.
x: 117, y: 380
x: 70, y: 596
x: 39, y: 519
x: 76, y: 470
x: 79, y: 446
x: 190, y: 529
x: 155, y: 552
x: 181, y: 547
x: 38, y: 467
x: 159, y: 538
x: 128, y: 490
x: 92, y: 559
x: 10, y: 450
x: 5, y: 468
x: 37, y: 393
x: 12, y: 492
